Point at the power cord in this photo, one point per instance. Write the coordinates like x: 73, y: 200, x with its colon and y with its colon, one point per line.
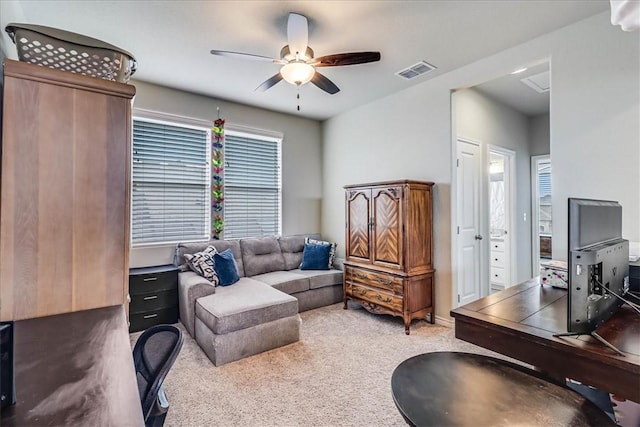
x: 633, y: 305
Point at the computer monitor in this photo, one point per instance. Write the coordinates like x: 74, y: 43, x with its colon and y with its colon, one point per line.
x: 598, y: 263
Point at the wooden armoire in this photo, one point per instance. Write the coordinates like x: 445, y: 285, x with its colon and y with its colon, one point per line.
x: 388, y: 266
x: 65, y: 185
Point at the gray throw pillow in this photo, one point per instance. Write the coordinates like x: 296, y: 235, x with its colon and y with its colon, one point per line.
x: 203, y: 264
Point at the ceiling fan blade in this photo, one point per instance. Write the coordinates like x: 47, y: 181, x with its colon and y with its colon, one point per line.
x: 297, y: 34
x: 240, y: 55
x: 324, y: 83
x: 270, y: 82
x: 346, y: 59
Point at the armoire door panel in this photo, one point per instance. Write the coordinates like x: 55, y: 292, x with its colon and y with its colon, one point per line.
x: 117, y: 184
x: 64, y: 211
x: 359, y: 231
x: 19, y: 218
x: 99, y: 219
x: 90, y: 203
x: 55, y: 201
x: 387, y: 226
x: 418, y: 238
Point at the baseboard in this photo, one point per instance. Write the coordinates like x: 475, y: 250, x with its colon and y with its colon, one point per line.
x: 444, y: 321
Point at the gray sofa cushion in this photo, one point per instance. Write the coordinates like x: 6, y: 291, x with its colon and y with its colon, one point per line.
x: 191, y: 287
x: 321, y: 297
x: 261, y: 255
x: 321, y: 278
x: 292, y: 247
x: 244, y: 304
x: 226, y: 348
x: 285, y: 281
x: 220, y: 245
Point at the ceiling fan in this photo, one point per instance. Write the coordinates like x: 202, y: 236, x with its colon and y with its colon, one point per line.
x: 298, y: 64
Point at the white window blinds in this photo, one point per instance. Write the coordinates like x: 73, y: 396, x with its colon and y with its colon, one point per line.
x: 170, y: 190
x: 251, y: 185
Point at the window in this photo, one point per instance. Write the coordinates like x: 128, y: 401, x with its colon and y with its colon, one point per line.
x: 252, y: 190
x: 170, y: 190
x: 544, y: 194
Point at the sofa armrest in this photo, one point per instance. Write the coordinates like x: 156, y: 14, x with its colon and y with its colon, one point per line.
x: 191, y: 287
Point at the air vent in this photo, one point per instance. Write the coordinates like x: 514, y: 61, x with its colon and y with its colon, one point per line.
x: 538, y: 82
x: 416, y: 70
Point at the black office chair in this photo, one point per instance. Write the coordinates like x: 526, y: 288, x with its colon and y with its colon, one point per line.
x: 153, y: 355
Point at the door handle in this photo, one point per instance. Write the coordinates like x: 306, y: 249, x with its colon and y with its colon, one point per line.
x: 478, y: 237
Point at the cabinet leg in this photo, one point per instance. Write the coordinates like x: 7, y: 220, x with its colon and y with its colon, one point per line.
x: 432, y: 318
x: 345, y: 304
x: 407, y: 324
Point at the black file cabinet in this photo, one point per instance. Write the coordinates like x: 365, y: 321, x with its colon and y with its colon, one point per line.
x: 154, y: 296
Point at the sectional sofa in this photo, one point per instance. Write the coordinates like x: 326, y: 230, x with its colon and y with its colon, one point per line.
x: 260, y: 311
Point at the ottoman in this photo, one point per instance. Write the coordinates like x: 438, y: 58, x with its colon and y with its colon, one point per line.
x: 244, y: 319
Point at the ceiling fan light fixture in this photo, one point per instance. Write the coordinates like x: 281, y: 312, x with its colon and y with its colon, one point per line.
x: 297, y: 73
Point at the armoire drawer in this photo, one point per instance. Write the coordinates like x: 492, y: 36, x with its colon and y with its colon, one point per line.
x: 380, y: 280
x: 375, y: 296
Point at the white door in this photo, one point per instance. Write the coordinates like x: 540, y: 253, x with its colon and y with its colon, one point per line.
x: 468, y: 221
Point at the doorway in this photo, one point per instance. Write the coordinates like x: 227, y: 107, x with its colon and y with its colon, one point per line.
x: 512, y: 114
x: 501, y: 210
x: 541, y: 210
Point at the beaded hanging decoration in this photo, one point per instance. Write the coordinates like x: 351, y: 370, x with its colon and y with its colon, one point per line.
x: 217, y: 176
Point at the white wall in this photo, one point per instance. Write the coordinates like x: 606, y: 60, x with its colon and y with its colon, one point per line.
x: 539, y: 142
x: 595, y: 125
x: 301, y: 156
x: 594, y: 111
x: 489, y: 122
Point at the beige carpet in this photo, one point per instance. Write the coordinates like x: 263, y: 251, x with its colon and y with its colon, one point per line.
x: 338, y: 374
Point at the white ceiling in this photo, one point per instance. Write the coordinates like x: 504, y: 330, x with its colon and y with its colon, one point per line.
x: 171, y: 40
x: 510, y: 91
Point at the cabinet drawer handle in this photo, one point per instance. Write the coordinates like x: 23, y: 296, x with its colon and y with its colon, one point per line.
x: 384, y: 282
x: 360, y: 276
x: 149, y: 279
x: 362, y: 291
x: 151, y: 316
x: 150, y: 297
x: 388, y: 299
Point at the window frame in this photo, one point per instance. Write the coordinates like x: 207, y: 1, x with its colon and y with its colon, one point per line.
x: 177, y: 121
x: 267, y: 136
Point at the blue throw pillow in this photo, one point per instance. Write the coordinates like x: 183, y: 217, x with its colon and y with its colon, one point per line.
x: 225, y: 267
x: 332, y: 252
x: 315, y: 257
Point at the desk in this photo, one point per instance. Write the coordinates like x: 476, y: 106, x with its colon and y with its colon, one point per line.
x: 520, y: 321
x: 74, y: 369
x: 463, y: 389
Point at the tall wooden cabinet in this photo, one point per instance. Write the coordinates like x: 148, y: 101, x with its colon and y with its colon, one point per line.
x: 388, y: 264
x: 64, y: 218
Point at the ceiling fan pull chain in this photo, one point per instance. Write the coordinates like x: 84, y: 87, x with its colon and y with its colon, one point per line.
x: 298, y: 97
